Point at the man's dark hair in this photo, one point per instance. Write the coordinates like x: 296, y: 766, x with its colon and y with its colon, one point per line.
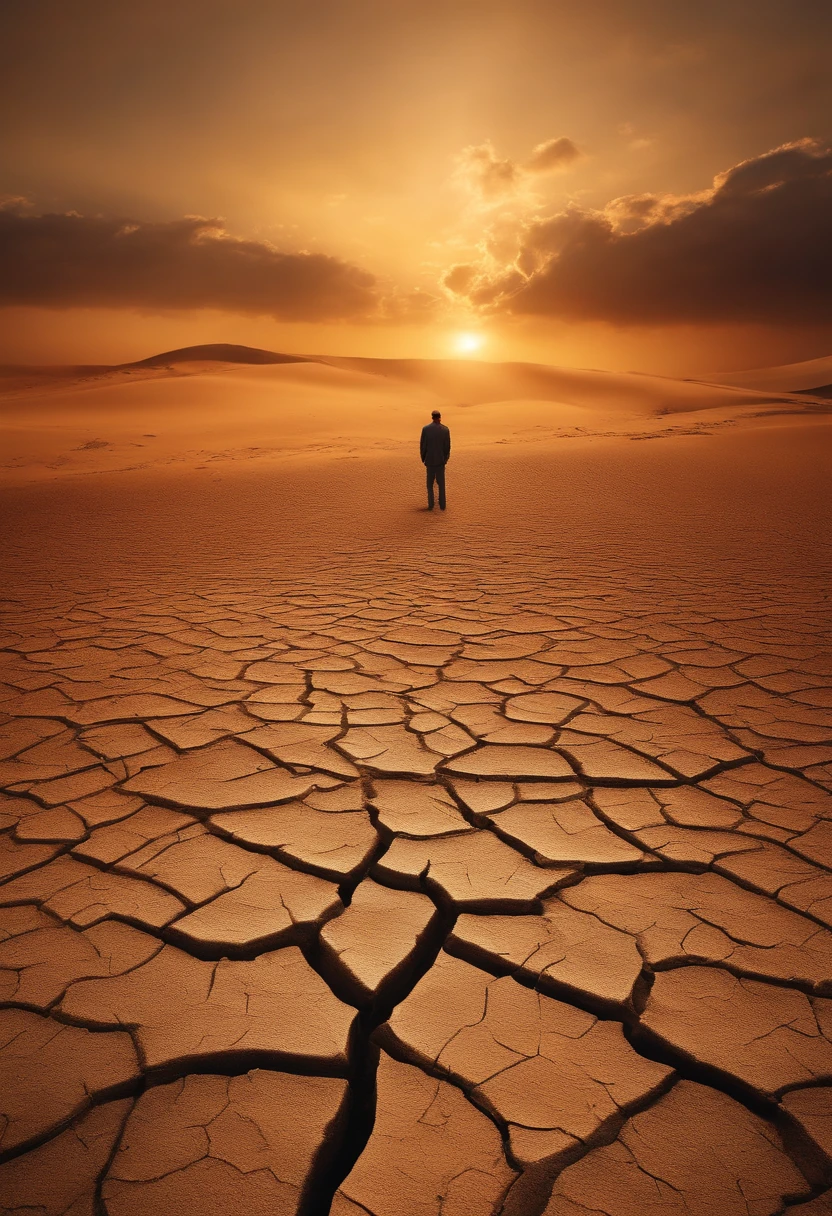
x: 435, y: 414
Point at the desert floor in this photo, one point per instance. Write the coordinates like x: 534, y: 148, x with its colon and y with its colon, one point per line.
x: 362, y: 859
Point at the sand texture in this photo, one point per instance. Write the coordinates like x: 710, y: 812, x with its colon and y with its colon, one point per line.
x: 365, y: 860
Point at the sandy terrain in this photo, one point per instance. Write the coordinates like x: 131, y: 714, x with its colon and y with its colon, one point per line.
x: 365, y: 860
x: 793, y: 377
x: 184, y: 412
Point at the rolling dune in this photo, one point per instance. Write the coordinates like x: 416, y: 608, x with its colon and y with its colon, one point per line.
x: 789, y: 378
x: 235, y: 405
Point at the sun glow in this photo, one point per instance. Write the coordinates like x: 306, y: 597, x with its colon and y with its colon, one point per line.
x: 468, y: 344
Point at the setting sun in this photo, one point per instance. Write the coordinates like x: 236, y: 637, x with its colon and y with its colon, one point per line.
x: 467, y: 344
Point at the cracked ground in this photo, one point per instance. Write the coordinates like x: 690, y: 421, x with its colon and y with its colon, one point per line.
x: 361, y: 861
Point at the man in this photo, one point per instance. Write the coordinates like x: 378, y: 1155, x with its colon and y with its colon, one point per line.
x: 435, y: 450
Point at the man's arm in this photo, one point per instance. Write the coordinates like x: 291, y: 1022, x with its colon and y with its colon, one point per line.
x: 447, y: 439
x: 423, y: 446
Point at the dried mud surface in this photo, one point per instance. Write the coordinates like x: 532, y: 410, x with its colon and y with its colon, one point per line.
x: 412, y: 866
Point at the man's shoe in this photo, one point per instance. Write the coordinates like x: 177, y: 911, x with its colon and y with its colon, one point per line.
x: 441, y: 508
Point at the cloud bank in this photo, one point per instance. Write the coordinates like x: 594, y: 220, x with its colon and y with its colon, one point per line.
x: 75, y: 261
x: 755, y: 247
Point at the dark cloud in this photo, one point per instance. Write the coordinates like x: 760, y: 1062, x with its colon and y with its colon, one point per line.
x: 65, y: 261
x: 757, y: 247
x: 552, y: 155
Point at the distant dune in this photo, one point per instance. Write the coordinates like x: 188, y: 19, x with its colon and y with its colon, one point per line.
x: 216, y: 352
x: 226, y: 406
x: 461, y: 381
x: 25, y: 375
x: 466, y: 381
x: 789, y: 378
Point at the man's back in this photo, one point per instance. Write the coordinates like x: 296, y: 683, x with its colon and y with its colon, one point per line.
x: 435, y: 444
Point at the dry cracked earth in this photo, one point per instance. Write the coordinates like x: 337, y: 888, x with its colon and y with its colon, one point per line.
x: 383, y: 888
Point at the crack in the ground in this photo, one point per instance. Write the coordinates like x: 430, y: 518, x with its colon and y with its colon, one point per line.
x: 524, y: 1199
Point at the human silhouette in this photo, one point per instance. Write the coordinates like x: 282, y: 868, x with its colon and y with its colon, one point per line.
x: 435, y: 451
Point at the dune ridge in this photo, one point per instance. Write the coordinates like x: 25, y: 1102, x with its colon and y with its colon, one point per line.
x: 203, y: 407
x: 803, y: 377
x: 220, y: 352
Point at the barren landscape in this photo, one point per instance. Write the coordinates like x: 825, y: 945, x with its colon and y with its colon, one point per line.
x: 362, y: 860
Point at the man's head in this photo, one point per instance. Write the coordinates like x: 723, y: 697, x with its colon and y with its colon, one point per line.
x: 436, y: 416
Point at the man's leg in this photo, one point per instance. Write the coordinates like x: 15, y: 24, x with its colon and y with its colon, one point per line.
x: 431, y: 474
x: 440, y: 481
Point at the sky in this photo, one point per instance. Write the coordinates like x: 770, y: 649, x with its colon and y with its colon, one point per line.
x: 633, y: 184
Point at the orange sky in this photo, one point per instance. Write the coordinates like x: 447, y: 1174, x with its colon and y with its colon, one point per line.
x: 388, y: 174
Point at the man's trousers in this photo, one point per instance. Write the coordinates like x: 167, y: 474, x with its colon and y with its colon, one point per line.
x: 436, y: 473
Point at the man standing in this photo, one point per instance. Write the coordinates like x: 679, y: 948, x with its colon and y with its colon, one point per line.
x: 435, y: 450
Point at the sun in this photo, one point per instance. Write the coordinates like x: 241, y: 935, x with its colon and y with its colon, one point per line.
x: 468, y: 344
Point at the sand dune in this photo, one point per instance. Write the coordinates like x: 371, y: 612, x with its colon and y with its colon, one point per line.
x: 462, y: 382
x: 207, y: 404
x: 218, y: 352
x: 789, y: 378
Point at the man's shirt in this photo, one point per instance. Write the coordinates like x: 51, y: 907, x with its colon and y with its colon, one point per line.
x: 435, y: 443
